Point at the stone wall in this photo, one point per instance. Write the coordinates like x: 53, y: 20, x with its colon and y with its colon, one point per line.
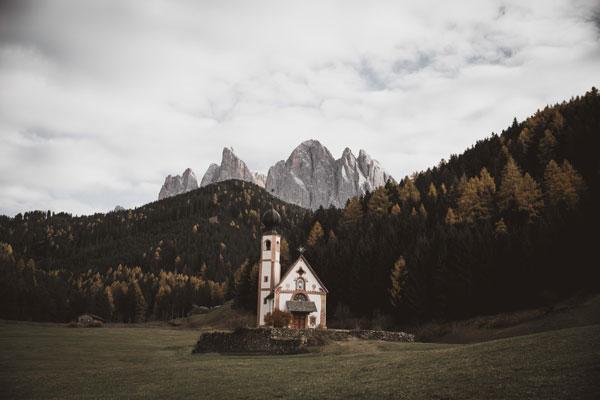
x: 246, y: 340
x: 285, y: 341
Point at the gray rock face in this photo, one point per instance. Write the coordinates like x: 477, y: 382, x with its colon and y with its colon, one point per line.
x: 231, y: 168
x: 260, y: 179
x: 211, y: 175
x: 311, y: 177
x: 306, y: 178
x: 175, y: 185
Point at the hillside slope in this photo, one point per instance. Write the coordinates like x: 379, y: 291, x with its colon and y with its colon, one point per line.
x: 216, y: 227
x: 571, y: 313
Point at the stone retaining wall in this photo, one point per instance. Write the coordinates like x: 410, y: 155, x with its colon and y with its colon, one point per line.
x: 250, y: 341
x: 285, y: 341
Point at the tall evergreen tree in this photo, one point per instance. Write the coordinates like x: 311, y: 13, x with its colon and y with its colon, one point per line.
x: 379, y: 203
x: 396, y: 281
x: 353, y: 211
x: 315, y: 234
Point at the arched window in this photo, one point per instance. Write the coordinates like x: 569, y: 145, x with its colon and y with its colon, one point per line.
x: 299, y: 284
x: 278, y: 247
x: 267, y: 245
x: 300, y: 297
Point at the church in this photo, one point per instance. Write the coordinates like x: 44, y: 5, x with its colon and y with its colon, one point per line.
x: 299, y: 292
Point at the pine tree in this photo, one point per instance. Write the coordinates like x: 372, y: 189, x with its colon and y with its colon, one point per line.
x: 451, y: 217
x: 422, y: 211
x: 525, y: 138
x: 353, y: 211
x: 558, y: 121
x: 104, y: 303
x: 574, y: 177
x: 546, y: 147
x: 432, y: 192
x: 379, y: 203
x: 476, y: 197
x: 500, y: 228
x: 331, y: 237
x: 529, y: 198
x: 519, y: 193
x: 284, y: 252
x: 443, y: 189
x: 396, y: 281
x: 486, y: 190
x: 469, y: 204
x: 161, y: 302
x: 139, y: 302
x: 562, y: 185
x: 315, y: 235
x: 408, y: 192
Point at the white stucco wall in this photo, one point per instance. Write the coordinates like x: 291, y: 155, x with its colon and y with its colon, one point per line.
x: 269, y: 261
x: 311, y: 285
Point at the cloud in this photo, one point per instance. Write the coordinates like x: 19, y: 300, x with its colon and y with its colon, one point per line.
x: 101, y: 100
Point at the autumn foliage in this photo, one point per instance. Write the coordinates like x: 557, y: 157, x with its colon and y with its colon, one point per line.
x: 278, y: 318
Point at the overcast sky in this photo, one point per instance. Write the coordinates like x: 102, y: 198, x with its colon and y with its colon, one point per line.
x: 100, y: 100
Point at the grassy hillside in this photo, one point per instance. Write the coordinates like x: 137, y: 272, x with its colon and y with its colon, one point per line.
x: 573, y: 312
x: 50, y: 362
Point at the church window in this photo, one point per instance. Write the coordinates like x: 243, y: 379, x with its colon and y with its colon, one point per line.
x: 300, y: 297
x: 313, y: 320
x: 266, y: 278
x: 278, y: 247
x: 267, y: 245
x: 300, y: 284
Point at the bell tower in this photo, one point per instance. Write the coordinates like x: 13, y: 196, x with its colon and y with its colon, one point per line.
x: 269, y: 272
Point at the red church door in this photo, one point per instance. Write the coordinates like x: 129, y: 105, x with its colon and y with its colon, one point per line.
x: 299, y: 321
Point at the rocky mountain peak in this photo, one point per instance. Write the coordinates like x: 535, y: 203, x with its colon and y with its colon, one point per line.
x: 310, y: 177
x: 178, y: 184
x: 232, y: 167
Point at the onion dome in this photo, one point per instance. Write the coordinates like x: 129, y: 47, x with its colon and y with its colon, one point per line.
x: 271, y: 219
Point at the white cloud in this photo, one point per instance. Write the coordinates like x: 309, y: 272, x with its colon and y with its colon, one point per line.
x: 101, y: 99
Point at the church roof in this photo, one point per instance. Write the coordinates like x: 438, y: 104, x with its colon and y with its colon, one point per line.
x: 308, y: 266
x: 301, y: 306
x: 271, y: 220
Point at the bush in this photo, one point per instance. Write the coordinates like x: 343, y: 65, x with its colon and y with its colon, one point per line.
x: 278, y: 319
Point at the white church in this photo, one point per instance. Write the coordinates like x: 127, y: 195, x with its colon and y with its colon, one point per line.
x: 299, y: 292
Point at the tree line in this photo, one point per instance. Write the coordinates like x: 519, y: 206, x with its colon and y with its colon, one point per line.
x: 122, y: 294
x: 509, y: 223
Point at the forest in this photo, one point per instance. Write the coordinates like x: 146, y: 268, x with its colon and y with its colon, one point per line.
x: 509, y: 223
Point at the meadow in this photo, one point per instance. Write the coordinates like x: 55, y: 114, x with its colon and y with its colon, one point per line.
x: 49, y: 361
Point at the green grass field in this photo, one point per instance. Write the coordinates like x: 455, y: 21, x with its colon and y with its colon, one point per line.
x: 54, y: 362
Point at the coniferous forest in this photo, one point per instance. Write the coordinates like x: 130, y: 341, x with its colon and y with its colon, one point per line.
x: 510, y: 223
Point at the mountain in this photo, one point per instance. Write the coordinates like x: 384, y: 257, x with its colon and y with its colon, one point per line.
x: 232, y: 167
x: 311, y: 177
x: 260, y: 179
x: 175, y: 185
